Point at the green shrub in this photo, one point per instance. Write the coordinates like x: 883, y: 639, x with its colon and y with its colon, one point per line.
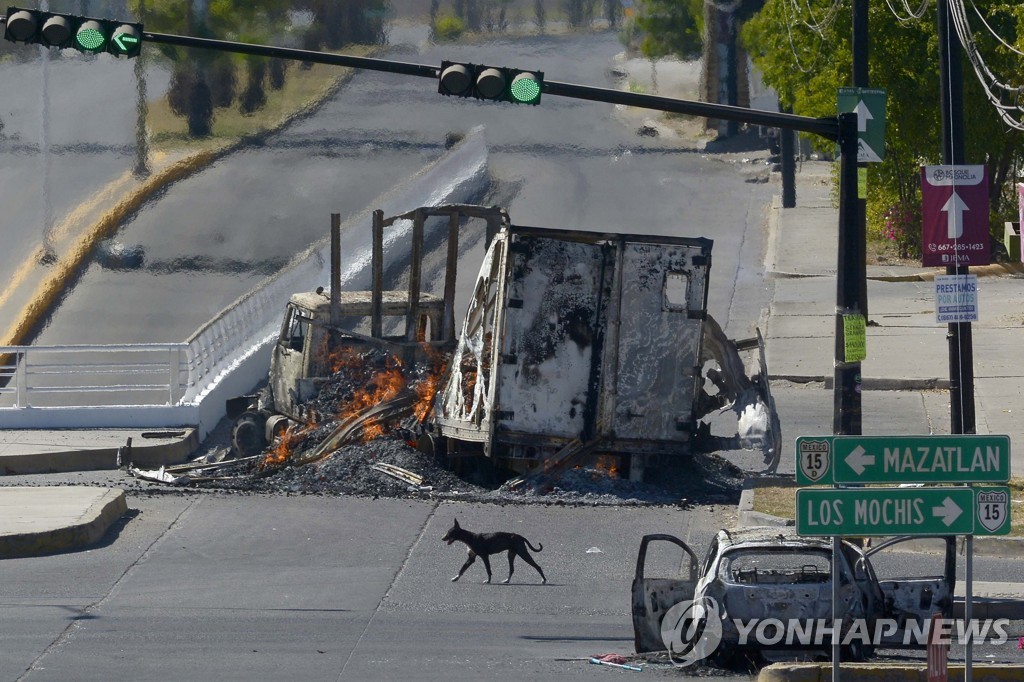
x: 448, y: 28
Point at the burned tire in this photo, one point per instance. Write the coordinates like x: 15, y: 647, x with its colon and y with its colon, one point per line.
x: 247, y: 436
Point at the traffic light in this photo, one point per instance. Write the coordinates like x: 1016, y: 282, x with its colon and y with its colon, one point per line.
x: 68, y: 31
x: 490, y: 82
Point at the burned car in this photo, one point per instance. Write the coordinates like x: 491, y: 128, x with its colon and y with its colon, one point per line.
x: 769, y: 588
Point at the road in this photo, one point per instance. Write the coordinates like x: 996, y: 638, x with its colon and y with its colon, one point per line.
x: 566, y: 163
x: 232, y: 587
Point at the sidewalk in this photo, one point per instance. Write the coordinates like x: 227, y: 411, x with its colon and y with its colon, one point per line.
x: 47, y: 519
x: 906, y: 348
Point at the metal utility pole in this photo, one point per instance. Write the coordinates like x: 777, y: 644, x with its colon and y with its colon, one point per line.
x: 850, y: 276
x: 961, y: 345
x: 859, y: 47
x: 786, y: 153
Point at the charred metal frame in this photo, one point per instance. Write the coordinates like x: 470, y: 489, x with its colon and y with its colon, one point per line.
x: 494, y: 216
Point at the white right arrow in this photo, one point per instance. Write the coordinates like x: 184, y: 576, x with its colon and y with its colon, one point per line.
x: 954, y: 209
x: 859, y: 460
x: 948, y: 512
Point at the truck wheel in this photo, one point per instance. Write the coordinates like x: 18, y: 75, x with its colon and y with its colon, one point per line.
x: 247, y: 437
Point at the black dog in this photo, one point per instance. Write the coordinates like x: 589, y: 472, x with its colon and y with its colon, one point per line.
x: 485, y: 544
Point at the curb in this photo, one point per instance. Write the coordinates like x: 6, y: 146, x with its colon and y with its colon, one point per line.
x: 745, y: 511
x: 993, y: 270
x: 896, y: 672
x: 869, y: 384
x: 93, y: 524
x: 174, y: 448
x: 54, y: 285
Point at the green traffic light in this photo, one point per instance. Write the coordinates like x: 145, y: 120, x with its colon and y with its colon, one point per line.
x: 90, y: 37
x: 525, y: 89
x: 125, y: 41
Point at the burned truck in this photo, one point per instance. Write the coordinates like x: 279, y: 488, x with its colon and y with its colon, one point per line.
x: 573, y: 345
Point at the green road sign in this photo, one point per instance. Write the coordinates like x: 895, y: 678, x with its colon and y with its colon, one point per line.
x: 869, y: 105
x: 863, y: 512
x: 967, y: 458
x: 921, y: 459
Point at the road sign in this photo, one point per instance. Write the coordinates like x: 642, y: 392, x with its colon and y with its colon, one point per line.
x: 954, y: 226
x: 956, y: 298
x: 966, y: 458
x: 814, y: 460
x: 960, y: 458
x: 869, y: 105
x: 865, y: 512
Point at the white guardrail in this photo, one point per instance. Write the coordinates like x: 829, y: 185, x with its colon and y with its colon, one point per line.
x: 186, y: 384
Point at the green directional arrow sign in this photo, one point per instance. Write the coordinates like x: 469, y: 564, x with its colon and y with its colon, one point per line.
x: 864, y: 512
x: 869, y: 105
x: 921, y: 459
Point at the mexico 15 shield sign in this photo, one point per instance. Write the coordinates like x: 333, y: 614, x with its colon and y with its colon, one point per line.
x: 954, y: 227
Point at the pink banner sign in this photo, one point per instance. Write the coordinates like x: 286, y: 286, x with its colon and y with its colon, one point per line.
x: 954, y: 225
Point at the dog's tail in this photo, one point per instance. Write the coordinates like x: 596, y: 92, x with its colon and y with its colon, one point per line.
x: 538, y: 548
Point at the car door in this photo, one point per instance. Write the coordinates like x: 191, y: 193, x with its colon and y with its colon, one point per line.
x: 915, y: 598
x: 653, y: 596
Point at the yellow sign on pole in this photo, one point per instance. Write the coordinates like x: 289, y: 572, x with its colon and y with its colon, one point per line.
x: 854, y: 338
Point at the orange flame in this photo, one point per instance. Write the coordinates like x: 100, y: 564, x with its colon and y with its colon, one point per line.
x: 376, y: 386
x: 284, y: 447
x: 608, y: 464
x: 384, y: 385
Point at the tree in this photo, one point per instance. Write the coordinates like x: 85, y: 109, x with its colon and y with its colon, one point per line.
x: 670, y: 28
x: 806, y: 65
x: 204, y: 80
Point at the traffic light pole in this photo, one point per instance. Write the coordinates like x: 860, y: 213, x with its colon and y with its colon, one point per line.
x: 826, y: 127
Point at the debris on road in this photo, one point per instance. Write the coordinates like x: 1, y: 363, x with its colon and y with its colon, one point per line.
x: 616, y: 661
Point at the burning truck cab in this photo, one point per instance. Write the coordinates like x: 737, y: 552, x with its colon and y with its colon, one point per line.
x: 573, y: 345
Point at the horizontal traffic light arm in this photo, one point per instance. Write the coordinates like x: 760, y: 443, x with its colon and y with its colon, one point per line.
x: 826, y: 127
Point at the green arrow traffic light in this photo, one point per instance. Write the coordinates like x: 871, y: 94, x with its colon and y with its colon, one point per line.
x: 70, y: 31
x: 125, y: 41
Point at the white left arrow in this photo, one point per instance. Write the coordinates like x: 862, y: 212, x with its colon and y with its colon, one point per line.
x: 863, y: 116
x: 948, y: 512
x: 954, y: 209
x: 859, y: 460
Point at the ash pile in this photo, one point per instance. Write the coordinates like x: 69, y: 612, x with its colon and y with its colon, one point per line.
x: 361, y: 436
